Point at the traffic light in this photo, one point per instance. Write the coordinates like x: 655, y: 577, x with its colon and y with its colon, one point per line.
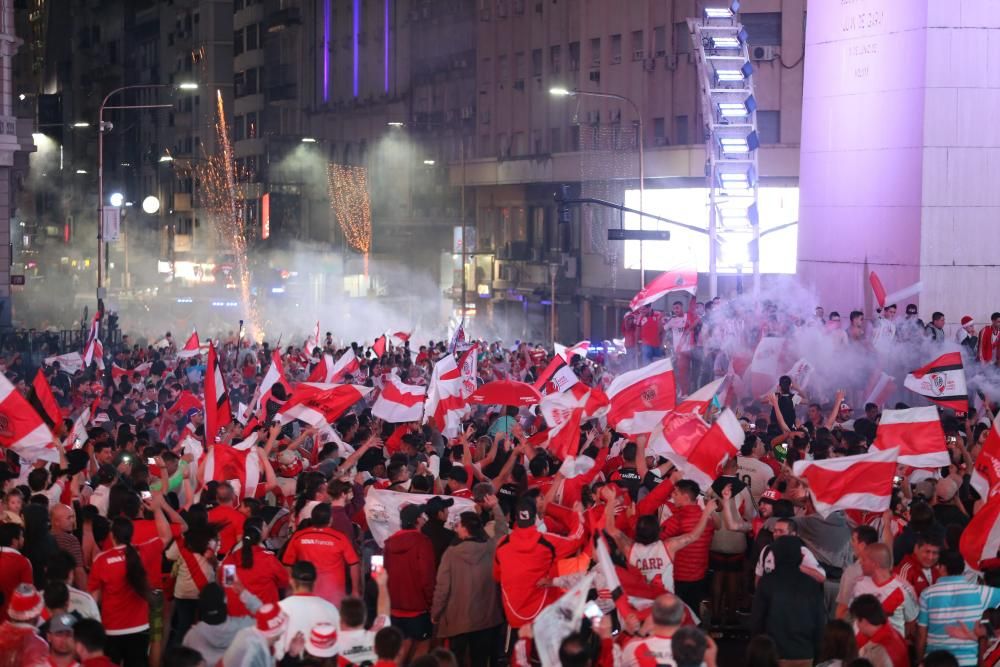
x: 561, y: 197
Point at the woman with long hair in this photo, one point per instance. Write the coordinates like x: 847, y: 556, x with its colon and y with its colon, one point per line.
x: 258, y: 570
x: 119, y: 583
x: 194, y: 555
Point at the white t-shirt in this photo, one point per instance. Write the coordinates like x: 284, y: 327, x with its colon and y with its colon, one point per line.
x: 653, y: 560
x: 658, y: 647
x: 897, y: 598
x: 305, y: 612
x: 83, y: 603
x: 755, y: 473
x: 357, y: 645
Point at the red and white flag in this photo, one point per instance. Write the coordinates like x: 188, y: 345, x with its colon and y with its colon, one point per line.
x: 322, y: 407
x: 445, y: 405
x: 329, y: 371
x: 862, y: 482
x: 399, y: 337
x: 679, y: 431
x: 382, y: 508
x: 275, y: 375
x: 77, y: 436
x: 640, y: 399
x: 986, y: 472
x: 981, y: 538
x: 378, y: 347
x: 567, y: 353
x: 917, y: 433
x: 218, y: 413
x: 563, y: 413
x: 678, y: 280
x: 468, y: 366
x: 237, y: 464
x: 880, y: 389
x: 43, y: 401
x: 21, y: 428
x: 399, y: 402
x: 942, y: 381
x: 312, y: 343
x: 723, y: 440
x: 192, y: 348
x: 765, y: 367
x: 94, y: 350
x: 71, y: 362
x: 562, y: 380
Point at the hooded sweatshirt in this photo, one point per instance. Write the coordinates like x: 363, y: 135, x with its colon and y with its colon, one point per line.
x: 213, y: 640
x: 522, y: 559
x: 466, y: 597
x: 789, y: 605
x: 409, y: 562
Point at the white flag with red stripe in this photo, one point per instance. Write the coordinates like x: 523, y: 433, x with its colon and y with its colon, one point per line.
x: 21, y: 428
x: 275, y: 375
x: 679, y: 280
x: 318, y: 408
x: 862, y: 482
x: 237, y: 464
x: 563, y: 412
x: 445, y: 405
x: 981, y: 538
x: 562, y: 380
x: 704, y: 462
x: 71, y: 362
x: 94, y: 350
x: 942, y: 381
x: 399, y: 337
x: 680, y: 430
x: 312, y: 343
x: 640, y: 399
x: 218, y: 413
x: 192, y: 348
x: 399, y: 402
x: 382, y: 508
x: 917, y: 433
x: 880, y: 389
x: 986, y: 472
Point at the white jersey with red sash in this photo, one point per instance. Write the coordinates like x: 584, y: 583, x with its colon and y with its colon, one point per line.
x: 654, y: 562
x: 897, y: 598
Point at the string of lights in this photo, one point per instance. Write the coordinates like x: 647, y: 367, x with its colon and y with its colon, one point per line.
x: 351, y: 204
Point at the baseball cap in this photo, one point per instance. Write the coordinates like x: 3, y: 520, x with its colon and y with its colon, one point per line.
x: 62, y: 623
x: 304, y: 571
x: 526, y: 512
x: 192, y: 412
x: 212, y: 604
x: 437, y: 503
x: 770, y: 495
x: 408, y: 515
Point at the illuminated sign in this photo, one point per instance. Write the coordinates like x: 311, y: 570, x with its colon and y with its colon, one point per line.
x: 265, y: 215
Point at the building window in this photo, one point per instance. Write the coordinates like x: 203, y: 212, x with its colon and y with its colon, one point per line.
x: 502, y: 70
x: 519, y: 65
x: 537, y: 142
x: 536, y: 62
x: 763, y: 29
x: 574, y: 56
x: 660, y: 40
x: 253, y: 131
x: 555, y: 59
x: 487, y: 70
x: 239, y: 127
x: 555, y: 140
x: 660, y: 131
x: 769, y: 127
x: 681, y: 130
x: 638, y: 45
x: 253, y: 37
x: 574, y: 137
x: 616, y: 49
x: 237, y: 42
x: 595, y: 52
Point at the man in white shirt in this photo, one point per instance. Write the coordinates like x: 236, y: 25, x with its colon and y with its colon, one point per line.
x: 751, y: 469
x: 355, y: 643
x: 896, y: 596
x: 666, y: 618
x: 809, y: 565
x: 304, y: 609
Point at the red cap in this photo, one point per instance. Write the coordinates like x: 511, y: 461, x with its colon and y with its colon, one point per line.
x: 967, y: 320
x: 771, y: 495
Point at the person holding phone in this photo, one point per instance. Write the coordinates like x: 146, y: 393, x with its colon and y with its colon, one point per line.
x: 257, y: 569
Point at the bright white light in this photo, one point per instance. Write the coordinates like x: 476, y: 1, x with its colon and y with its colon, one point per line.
x: 81, y: 123
x: 150, y: 205
x: 777, y: 206
x: 718, y: 13
x: 559, y: 92
x: 188, y: 85
x: 81, y: 171
x: 308, y: 140
x: 116, y: 199
x: 729, y: 75
x: 394, y: 123
x: 734, y: 146
x: 725, y: 43
x: 734, y: 249
x: 429, y: 162
x: 38, y: 137
x: 732, y: 109
x: 22, y: 97
x: 166, y: 158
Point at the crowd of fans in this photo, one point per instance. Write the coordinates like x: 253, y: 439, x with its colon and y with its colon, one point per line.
x: 130, y: 551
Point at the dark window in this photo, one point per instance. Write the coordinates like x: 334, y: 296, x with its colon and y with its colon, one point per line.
x: 763, y: 29
x: 769, y: 127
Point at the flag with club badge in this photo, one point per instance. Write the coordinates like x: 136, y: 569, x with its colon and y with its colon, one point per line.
x: 942, y: 381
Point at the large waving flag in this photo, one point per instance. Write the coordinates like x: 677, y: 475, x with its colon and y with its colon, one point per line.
x: 862, y: 482
x: 942, y: 381
x: 21, y: 428
x: 237, y: 464
x: 986, y: 472
x: 382, y: 508
x: 981, y: 538
x: 722, y: 441
x: 640, y: 399
x: 94, y: 350
x: 275, y: 375
x: 917, y: 433
x: 192, y: 348
x: 322, y: 407
x: 399, y: 402
x: 218, y: 413
x: 446, y: 404
x: 675, y: 437
x: 71, y: 362
x: 43, y: 401
x: 680, y: 280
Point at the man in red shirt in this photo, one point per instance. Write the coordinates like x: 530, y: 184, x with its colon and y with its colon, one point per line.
x: 330, y: 551
x: 691, y: 562
x: 89, y: 638
x: 14, y: 568
x: 877, y: 639
x: 227, y: 516
x: 412, y: 570
x: 650, y: 323
x: 920, y: 569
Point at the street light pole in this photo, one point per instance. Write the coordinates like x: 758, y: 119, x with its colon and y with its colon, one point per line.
x: 102, y: 250
x: 562, y: 92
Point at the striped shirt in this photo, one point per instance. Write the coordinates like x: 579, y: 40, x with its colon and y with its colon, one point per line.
x: 954, y: 600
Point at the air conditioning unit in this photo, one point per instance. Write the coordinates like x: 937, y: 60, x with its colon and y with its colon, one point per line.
x: 649, y: 64
x: 595, y: 75
x: 638, y: 54
x: 670, y: 61
x: 615, y: 59
x: 595, y: 63
x: 765, y: 53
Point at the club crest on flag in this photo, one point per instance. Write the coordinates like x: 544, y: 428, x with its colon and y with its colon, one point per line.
x: 938, y: 383
x: 648, y: 397
x: 5, y: 429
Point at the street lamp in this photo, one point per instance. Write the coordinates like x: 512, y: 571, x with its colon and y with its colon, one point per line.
x: 103, y: 127
x: 116, y: 199
x: 150, y: 205
x: 564, y: 92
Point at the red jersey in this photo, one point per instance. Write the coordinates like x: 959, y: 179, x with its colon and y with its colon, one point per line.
x: 331, y: 552
x: 263, y: 579
x: 14, y: 569
x: 651, y: 328
x: 893, y: 643
x: 123, y: 611
x: 232, y: 525
x: 144, y: 530
x: 691, y: 562
x: 910, y: 571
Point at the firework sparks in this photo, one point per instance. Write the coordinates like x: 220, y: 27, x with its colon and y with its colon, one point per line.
x: 220, y: 190
x: 351, y: 203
